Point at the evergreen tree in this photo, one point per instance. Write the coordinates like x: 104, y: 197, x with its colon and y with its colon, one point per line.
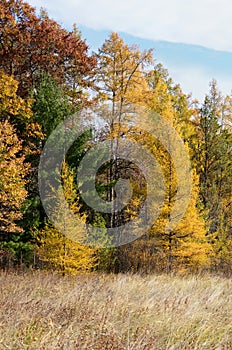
x: 212, y: 158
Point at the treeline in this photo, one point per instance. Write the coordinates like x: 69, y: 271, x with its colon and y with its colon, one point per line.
x: 47, y: 74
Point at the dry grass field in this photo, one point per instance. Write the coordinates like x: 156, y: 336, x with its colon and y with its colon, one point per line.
x: 115, y: 312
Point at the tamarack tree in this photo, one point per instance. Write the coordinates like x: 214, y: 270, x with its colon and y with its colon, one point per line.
x: 64, y: 251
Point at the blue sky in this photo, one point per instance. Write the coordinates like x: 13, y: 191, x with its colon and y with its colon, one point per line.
x: 192, y: 39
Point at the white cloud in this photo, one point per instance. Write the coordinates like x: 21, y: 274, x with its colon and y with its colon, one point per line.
x: 196, y: 80
x: 199, y: 22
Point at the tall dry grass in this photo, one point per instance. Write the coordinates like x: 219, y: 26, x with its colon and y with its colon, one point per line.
x: 96, y: 312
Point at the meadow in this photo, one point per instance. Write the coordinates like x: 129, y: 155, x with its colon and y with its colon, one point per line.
x: 41, y: 310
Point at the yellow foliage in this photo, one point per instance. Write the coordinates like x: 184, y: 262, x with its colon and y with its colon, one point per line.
x: 12, y: 178
x: 64, y: 252
x: 120, y: 76
x: 11, y: 104
x: 18, y: 112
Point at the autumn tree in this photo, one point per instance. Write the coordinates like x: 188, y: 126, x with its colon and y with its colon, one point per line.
x: 32, y: 44
x: 120, y: 73
x: 184, y: 246
x: 18, y: 112
x: 169, y: 101
x: 123, y: 80
x: 63, y: 248
x: 120, y: 84
x: 13, y: 170
x: 13, y: 193
x: 32, y: 48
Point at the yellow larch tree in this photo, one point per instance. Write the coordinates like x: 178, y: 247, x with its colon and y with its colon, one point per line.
x: 66, y: 252
x: 186, y: 245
